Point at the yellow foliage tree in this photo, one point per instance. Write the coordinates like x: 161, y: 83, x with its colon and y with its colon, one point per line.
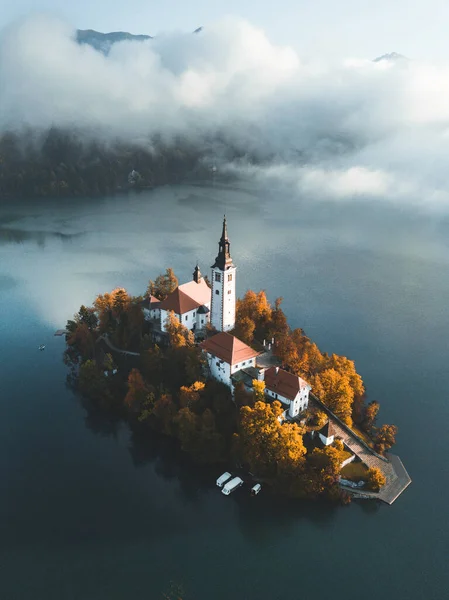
x: 163, y: 285
x: 259, y: 390
x: 267, y: 445
x: 189, y: 395
x: 334, y: 390
x: 375, y: 479
x: 179, y: 335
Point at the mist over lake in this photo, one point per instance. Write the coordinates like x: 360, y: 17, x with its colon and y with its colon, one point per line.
x: 88, y: 512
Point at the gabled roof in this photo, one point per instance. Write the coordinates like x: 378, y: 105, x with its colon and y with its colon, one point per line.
x: 229, y: 348
x: 284, y: 383
x: 187, y: 297
x: 327, y: 430
x: 179, y: 302
x: 200, y: 291
x: 151, y: 302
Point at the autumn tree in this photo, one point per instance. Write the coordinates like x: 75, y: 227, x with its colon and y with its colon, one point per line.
x: 80, y: 340
x: 244, y: 329
x: 187, y: 423
x: 93, y: 384
x: 87, y: 317
x: 253, y: 314
x: 120, y: 302
x: 165, y: 411
x: 267, y: 445
x: 334, y: 390
x: 163, y: 285
x: 190, y: 395
x: 179, y: 335
x: 370, y: 415
x: 317, y: 418
x: 375, y: 479
x: 385, y: 438
x: 110, y: 307
x: 259, y: 390
x: 326, y: 462
x: 137, y: 390
x: 278, y: 326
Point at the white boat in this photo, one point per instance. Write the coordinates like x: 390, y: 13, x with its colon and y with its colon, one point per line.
x: 256, y: 489
x: 41, y: 347
x: 232, y: 485
x: 223, y: 479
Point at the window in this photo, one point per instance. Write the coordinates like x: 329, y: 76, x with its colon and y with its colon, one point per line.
x: 229, y: 291
x: 217, y: 291
x: 217, y: 276
x: 187, y: 317
x: 230, y: 277
x: 193, y: 313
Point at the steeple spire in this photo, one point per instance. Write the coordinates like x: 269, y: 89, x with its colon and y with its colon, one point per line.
x: 223, y: 260
x: 224, y: 235
x: 197, y: 274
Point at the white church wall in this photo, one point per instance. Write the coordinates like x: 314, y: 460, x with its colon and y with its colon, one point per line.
x: 219, y: 369
x: 223, y: 299
x: 188, y: 319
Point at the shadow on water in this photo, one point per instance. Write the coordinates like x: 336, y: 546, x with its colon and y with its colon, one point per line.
x: 195, y: 481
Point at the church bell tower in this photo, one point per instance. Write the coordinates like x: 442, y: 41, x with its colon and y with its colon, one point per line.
x: 223, y: 286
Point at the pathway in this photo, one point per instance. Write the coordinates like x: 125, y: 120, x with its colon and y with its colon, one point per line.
x: 397, y: 478
x: 110, y: 345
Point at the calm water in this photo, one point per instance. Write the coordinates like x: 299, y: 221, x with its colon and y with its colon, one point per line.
x: 88, y: 514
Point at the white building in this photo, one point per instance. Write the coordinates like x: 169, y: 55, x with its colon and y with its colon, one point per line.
x: 326, y: 434
x: 190, y: 302
x: 223, y: 286
x: 226, y: 355
x: 289, y: 389
x: 151, y: 308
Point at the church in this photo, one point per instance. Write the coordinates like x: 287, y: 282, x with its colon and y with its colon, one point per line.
x: 230, y: 360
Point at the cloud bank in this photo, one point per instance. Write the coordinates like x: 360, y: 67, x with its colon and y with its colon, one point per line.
x: 360, y: 129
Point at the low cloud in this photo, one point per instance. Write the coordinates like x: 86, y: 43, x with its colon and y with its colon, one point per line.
x: 359, y: 129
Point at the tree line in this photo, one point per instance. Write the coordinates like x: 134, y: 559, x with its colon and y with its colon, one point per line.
x: 63, y: 163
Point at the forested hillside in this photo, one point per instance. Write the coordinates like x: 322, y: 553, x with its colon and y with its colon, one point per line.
x: 59, y: 163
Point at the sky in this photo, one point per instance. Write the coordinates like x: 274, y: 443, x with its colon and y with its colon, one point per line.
x: 321, y: 28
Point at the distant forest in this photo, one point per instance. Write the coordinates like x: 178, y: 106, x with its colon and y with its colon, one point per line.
x: 63, y: 164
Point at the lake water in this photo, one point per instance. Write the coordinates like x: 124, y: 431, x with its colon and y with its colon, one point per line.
x: 88, y: 514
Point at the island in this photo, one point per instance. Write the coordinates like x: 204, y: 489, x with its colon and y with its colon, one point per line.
x: 234, y: 385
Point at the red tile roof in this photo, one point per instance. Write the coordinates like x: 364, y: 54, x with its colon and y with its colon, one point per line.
x: 200, y: 291
x: 229, y: 348
x: 179, y: 302
x: 187, y: 296
x: 283, y: 383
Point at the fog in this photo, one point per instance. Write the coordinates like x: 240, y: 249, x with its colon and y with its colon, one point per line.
x: 353, y: 130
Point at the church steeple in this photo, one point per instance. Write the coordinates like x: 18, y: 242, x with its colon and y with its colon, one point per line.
x: 223, y: 261
x: 222, y: 311
x: 197, y: 274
